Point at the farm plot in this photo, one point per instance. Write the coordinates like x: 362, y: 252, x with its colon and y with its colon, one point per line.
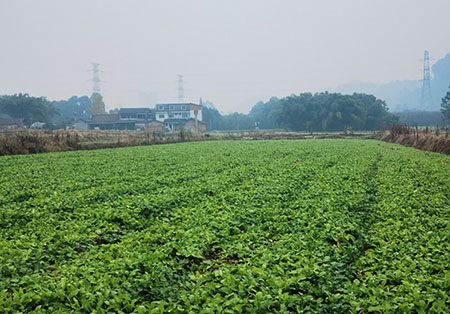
x: 243, y: 226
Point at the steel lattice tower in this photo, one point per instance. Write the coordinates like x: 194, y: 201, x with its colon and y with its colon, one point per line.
x: 426, y: 101
x: 180, y: 89
x: 95, y: 78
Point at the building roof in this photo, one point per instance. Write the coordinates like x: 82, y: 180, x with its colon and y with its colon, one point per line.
x: 105, y: 117
x: 135, y: 110
x: 176, y: 107
x: 113, y: 122
x: 177, y: 103
x: 6, y: 119
x: 83, y: 120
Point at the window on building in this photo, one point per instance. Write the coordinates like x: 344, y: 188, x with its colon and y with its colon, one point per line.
x: 185, y: 115
x: 160, y: 107
x: 171, y: 107
x: 161, y: 116
x: 183, y: 107
x: 170, y: 115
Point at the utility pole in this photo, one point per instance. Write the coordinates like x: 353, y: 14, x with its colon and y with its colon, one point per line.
x: 180, y: 89
x: 426, y: 101
x: 95, y: 78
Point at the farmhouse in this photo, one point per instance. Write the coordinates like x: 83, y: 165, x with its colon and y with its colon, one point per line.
x: 183, y: 111
x: 195, y: 125
x: 164, y: 117
x: 110, y: 122
x: 141, y: 116
x: 154, y: 126
x: 177, y: 116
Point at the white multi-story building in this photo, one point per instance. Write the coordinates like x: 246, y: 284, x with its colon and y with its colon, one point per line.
x: 183, y: 111
x: 175, y: 116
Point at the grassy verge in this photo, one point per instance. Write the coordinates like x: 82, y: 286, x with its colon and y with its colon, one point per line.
x: 436, y: 140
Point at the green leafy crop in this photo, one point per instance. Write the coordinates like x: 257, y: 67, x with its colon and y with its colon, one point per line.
x: 327, y: 226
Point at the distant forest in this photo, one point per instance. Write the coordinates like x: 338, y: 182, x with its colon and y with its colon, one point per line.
x: 321, y: 112
x: 56, y: 114
x: 29, y: 109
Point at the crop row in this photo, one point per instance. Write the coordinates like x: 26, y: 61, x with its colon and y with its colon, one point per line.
x: 265, y: 226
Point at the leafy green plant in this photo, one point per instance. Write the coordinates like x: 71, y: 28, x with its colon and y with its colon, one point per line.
x: 232, y: 226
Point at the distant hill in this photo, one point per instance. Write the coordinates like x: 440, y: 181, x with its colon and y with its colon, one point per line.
x: 405, y: 95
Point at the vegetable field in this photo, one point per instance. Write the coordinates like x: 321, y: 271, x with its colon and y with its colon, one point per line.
x: 325, y: 226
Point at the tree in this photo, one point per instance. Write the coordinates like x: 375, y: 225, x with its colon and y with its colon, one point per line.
x: 445, y: 106
x: 72, y: 109
x: 98, y: 106
x: 30, y: 109
x: 212, y: 118
x: 333, y: 112
x: 265, y: 114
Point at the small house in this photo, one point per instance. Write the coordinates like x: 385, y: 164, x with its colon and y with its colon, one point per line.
x: 195, y: 126
x: 110, y: 122
x: 141, y: 116
x: 174, y: 124
x: 81, y: 124
x: 154, y: 126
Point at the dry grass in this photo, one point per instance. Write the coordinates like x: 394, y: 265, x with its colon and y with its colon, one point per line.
x: 34, y: 141
x: 433, y: 140
x: 43, y: 141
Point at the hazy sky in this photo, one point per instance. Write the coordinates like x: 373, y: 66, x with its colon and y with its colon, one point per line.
x: 232, y: 52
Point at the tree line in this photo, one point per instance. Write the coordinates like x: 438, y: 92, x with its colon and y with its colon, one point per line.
x: 320, y: 112
x: 30, y: 109
x: 60, y: 113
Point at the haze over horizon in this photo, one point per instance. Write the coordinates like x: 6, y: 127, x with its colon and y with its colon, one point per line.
x: 232, y: 53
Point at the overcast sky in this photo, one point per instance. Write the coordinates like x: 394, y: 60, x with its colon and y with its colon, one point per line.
x: 232, y: 52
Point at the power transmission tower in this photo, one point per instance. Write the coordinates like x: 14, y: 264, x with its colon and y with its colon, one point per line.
x: 426, y: 101
x: 95, y: 78
x: 180, y: 89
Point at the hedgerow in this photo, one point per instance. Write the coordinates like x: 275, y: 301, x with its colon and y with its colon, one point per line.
x: 267, y: 226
